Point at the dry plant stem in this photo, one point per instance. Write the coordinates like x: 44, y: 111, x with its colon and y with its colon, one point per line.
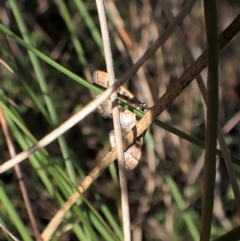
x: 6, y: 65
x: 8, y: 233
x: 160, y: 41
x: 111, y: 7
x: 18, y: 172
x: 231, y: 123
x: 93, y: 105
x: 229, y: 166
x: 224, y: 38
x: 116, y: 121
x: 142, y: 125
x: 210, y: 13
x: 59, y: 130
x: 226, y: 155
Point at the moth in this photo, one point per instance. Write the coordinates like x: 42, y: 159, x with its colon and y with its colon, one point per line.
x: 127, y: 118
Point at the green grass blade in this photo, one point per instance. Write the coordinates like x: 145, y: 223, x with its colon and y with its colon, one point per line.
x: 7, y: 204
x: 44, y: 88
x: 90, y: 24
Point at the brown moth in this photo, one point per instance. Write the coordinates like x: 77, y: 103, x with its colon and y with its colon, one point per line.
x: 132, y: 154
x: 100, y: 78
x: 127, y: 118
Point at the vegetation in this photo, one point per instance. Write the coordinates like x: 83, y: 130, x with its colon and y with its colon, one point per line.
x: 49, y: 50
